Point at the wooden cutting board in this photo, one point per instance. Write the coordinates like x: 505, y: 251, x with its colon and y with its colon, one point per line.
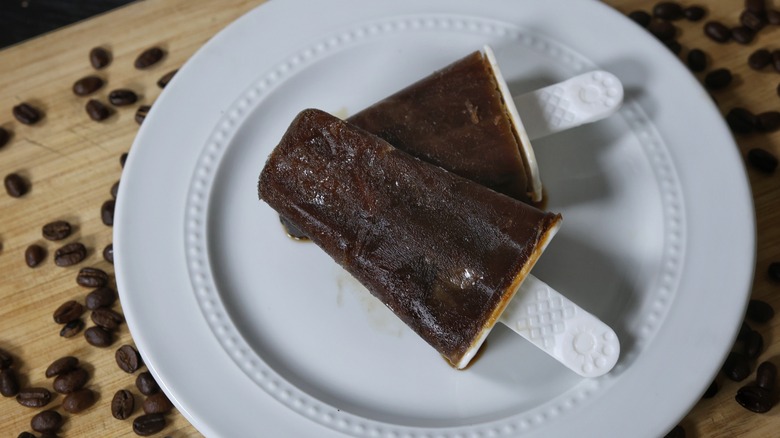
x: 72, y: 162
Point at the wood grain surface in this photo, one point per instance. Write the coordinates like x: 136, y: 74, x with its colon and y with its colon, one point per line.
x: 71, y: 163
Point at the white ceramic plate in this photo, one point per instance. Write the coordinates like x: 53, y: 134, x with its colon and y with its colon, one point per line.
x: 252, y: 334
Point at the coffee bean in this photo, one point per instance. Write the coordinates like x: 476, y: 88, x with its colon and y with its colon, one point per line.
x: 148, y: 58
x: 766, y: 374
x: 673, y: 45
x: 33, y: 397
x: 34, y: 255
x: 99, y: 58
x: 101, y: 297
x: 79, y: 400
x: 114, y: 189
x: 27, y: 114
x: 762, y: 160
x: 717, y: 31
x: 4, y: 136
x: 46, y: 421
x: 774, y: 271
x: 743, y: 35
x: 768, y: 121
x: 141, y: 113
x: 97, y: 110
x: 736, y: 367
x: 25, y: 435
x: 87, y: 85
x: 148, y: 424
x: 128, y: 359
x: 62, y: 365
x: 754, y: 344
x: 676, y: 432
x: 754, y: 398
x: 741, y: 121
x: 773, y: 16
x: 123, y: 404
x: 146, y: 383
x: 697, y: 60
x: 107, y: 212
x: 92, y: 277
x: 760, y: 311
x: 71, y: 381
x: 641, y: 18
x: 70, y: 254
x: 6, y: 360
x: 108, y: 253
x: 122, y: 97
x: 15, y: 185
x: 755, y: 5
x: 98, y: 336
x: 72, y: 328
x: 753, y: 20
x: 668, y: 11
x: 694, y: 13
x: 157, y: 404
x: 712, y: 390
x: 68, y: 311
x: 163, y: 81
x: 663, y: 30
x: 123, y: 159
x: 760, y: 59
x: 718, y: 79
x: 9, y: 383
x: 107, y: 318
x: 56, y: 230
x: 776, y: 60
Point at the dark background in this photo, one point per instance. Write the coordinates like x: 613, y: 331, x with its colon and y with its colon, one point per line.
x: 24, y: 19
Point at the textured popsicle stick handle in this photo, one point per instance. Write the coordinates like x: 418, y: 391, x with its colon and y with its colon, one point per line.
x: 576, y: 101
x: 562, y: 329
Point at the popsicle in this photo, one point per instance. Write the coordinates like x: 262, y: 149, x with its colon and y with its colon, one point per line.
x: 444, y: 253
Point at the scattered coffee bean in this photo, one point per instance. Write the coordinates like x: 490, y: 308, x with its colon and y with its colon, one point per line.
x: 33, y: 397
x: 741, y: 121
x: 107, y: 318
x: 122, y: 97
x: 774, y: 271
x: 25, y: 435
x: 6, y: 360
x: 148, y: 424
x: 718, y: 79
x: 68, y: 311
x: 148, y: 58
x: 71, y: 381
x: 92, y: 277
x: 736, y: 367
x: 717, y: 31
x: 668, y: 11
x: 754, y: 398
x: 15, y: 185
x: 760, y: 59
x: 762, y: 160
x: 9, y: 383
x: 98, y: 336
x: 776, y: 60
x: 56, y: 230
x: 758, y: 6
x: 99, y: 58
x: 62, y: 365
x: 641, y: 18
x: 712, y: 390
x: 128, y: 359
x: 70, y: 254
x: 694, y: 13
x: 46, y: 421
x: 754, y: 344
x: 97, y: 110
x: 123, y: 159
x: 79, y: 400
x: 697, y: 60
x: 141, y: 113
x: 760, y: 311
x: 163, y: 81
x: 768, y: 121
x: 673, y: 45
x: 677, y: 432
x: 146, y: 383
x: 114, y: 189
x: 766, y: 374
x: 27, y: 114
x: 107, y: 212
x: 108, y: 253
x: 743, y: 34
x: 663, y: 30
x: 101, y: 297
x: 157, y: 404
x: 773, y: 17
x: 123, y: 404
x: 4, y: 136
x: 752, y: 20
x: 87, y: 85
x: 34, y: 255
x: 72, y: 328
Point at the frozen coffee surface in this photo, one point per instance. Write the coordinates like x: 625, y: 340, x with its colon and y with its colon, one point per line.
x: 454, y: 118
x: 444, y: 253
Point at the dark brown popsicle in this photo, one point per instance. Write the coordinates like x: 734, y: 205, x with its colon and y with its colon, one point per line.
x: 444, y: 253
